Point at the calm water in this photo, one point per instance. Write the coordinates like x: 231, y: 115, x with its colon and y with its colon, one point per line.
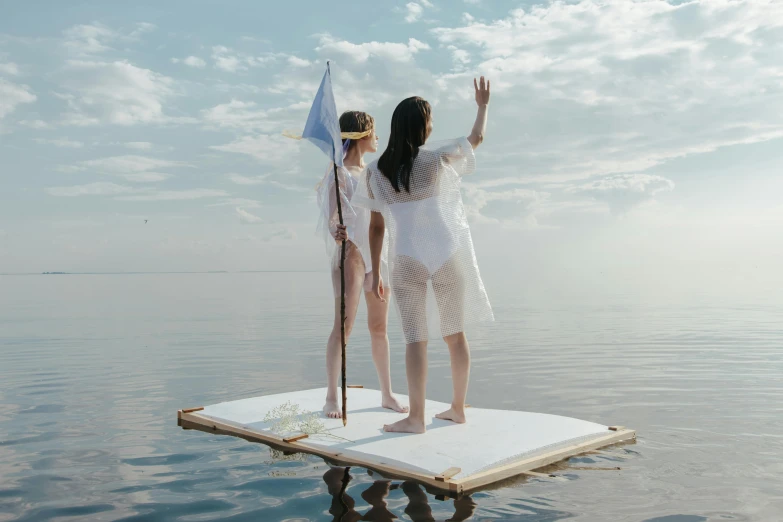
x: 94, y: 367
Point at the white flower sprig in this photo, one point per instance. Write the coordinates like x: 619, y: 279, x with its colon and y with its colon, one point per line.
x: 289, y: 418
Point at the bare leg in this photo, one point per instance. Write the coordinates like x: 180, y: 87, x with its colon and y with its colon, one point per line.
x: 377, y: 318
x: 409, y: 284
x: 416, y: 371
x: 459, y: 350
x: 376, y: 496
x: 354, y: 279
x: 448, y: 285
x: 418, y: 508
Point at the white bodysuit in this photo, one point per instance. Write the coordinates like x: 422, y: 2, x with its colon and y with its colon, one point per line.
x: 355, y: 218
x: 430, y: 240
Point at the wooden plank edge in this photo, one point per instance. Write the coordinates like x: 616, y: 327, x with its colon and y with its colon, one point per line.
x: 449, y: 486
x: 520, y: 467
x: 448, y: 474
x: 289, y: 440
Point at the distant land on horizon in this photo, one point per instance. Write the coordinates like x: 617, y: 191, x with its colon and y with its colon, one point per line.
x: 162, y: 272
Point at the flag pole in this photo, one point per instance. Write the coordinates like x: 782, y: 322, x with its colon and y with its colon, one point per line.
x: 342, y: 287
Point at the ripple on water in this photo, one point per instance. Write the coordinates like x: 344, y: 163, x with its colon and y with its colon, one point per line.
x: 91, y: 384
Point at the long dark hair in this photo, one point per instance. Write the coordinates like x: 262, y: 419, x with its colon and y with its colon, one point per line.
x: 355, y: 121
x: 408, y: 133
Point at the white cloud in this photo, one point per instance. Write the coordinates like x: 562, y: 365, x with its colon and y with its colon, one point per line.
x: 139, y: 145
x: 413, y: 12
x: 292, y: 188
x: 583, y: 110
x: 89, y: 38
x: 236, y: 114
x: 510, y: 206
x: 232, y: 61
x: 36, y: 124
x: 461, y: 57
x: 244, y: 180
x: 552, y: 46
x: 146, y: 177
x: 61, y: 142
x: 12, y: 95
x: 263, y: 147
x: 95, y: 38
x: 295, y: 61
x: 397, y: 52
x: 175, y: 195
x: 142, y: 28
x: 141, y: 169
x: 115, y: 92
x: 621, y: 192
x: 234, y: 202
x: 283, y: 234
x: 90, y: 189
x: 248, y: 218
x: 195, y: 61
x: 10, y: 69
x: 226, y: 61
x: 191, y: 61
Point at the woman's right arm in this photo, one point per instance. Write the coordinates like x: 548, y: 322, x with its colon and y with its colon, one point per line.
x: 482, y: 100
x: 337, y: 230
x: 377, y: 231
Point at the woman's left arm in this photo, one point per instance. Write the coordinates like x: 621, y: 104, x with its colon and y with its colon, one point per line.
x: 377, y: 231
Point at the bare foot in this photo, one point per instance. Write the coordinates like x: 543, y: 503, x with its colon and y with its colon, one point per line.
x: 332, y: 410
x: 390, y: 402
x: 406, y: 425
x: 453, y: 414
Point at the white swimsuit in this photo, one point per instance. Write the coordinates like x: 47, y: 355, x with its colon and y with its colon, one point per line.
x: 430, y: 241
x: 355, y: 218
x: 425, y: 213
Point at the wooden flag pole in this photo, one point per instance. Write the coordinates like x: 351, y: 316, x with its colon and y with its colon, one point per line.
x: 342, y: 297
x: 342, y: 279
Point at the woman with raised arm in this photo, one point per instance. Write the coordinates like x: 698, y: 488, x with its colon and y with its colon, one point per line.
x: 414, y: 191
x: 358, y: 275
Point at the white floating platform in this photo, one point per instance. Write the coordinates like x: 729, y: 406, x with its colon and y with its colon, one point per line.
x: 493, y: 445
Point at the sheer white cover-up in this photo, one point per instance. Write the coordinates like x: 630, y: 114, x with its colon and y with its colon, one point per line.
x: 431, y: 255
x: 355, y: 218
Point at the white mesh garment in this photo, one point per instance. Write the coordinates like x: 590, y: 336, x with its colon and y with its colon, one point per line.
x: 355, y: 218
x: 430, y: 241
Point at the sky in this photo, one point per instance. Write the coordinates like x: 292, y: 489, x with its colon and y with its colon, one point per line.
x: 631, y: 143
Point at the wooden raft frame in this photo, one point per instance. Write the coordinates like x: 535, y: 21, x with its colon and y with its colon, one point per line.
x: 441, y: 483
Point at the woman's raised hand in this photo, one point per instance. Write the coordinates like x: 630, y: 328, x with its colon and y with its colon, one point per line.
x: 482, y: 91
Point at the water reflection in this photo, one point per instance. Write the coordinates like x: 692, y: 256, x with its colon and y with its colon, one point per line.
x: 418, y: 509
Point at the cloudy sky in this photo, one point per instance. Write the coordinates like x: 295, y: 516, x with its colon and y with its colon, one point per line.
x: 625, y: 137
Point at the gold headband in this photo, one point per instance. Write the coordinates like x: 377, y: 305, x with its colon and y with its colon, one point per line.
x: 343, y: 135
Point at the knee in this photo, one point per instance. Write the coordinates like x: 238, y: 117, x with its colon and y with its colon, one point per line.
x: 337, y: 333
x: 456, y: 339
x: 348, y: 327
x: 377, y: 328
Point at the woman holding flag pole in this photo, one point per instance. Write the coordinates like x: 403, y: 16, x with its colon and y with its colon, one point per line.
x: 346, y: 141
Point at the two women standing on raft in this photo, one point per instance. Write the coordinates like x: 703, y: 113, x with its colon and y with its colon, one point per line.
x: 413, y: 191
